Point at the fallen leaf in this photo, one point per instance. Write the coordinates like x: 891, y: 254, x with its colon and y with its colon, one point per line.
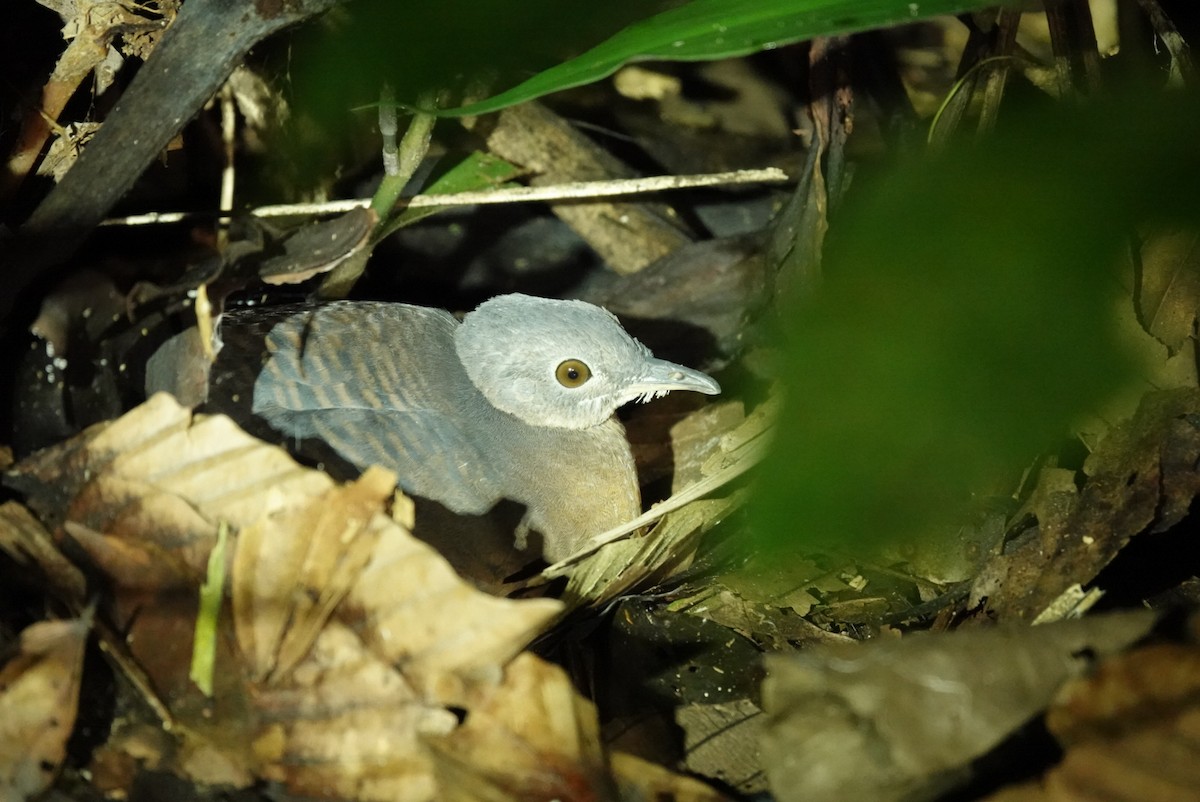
x: 346, y: 724
x: 530, y: 737
x: 1169, y: 292
x: 1141, y: 478
x: 39, y: 697
x: 1130, y: 731
x: 354, y: 636
x: 293, y: 568
x: 1154, y: 683
x: 28, y: 543
x: 721, y: 741
x: 619, y: 567
x: 892, y: 720
x: 641, y: 779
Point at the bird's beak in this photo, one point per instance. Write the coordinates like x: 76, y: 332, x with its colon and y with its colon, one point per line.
x: 661, y: 377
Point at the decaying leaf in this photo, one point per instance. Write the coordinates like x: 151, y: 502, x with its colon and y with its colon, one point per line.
x: 159, y: 451
x: 39, y: 696
x: 1147, y: 687
x: 90, y: 27
x: 892, y: 720
x: 530, y: 737
x: 66, y: 147
x: 1169, y: 292
x: 641, y: 779
x: 318, y: 247
x: 721, y: 741
x: 1129, y: 731
x: 28, y: 543
x: 346, y: 724
x: 1142, y: 478
x: 697, y: 437
x: 292, y: 570
x: 354, y: 636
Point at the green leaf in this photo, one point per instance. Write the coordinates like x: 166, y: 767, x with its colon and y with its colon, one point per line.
x: 476, y: 172
x: 212, y: 592
x: 714, y: 29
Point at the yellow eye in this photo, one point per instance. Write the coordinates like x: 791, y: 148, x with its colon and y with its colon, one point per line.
x: 572, y: 373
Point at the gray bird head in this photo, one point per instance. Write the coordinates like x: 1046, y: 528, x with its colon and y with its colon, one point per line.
x: 567, y: 364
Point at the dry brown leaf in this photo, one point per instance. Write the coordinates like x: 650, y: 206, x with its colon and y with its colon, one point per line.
x: 318, y: 247
x: 39, y: 697
x: 66, y: 147
x: 628, y: 236
x: 292, y: 569
x: 346, y: 724
x: 1142, y: 477
x: 622, y: 565
x: 700, y: 435
x: 89, y: 26
x: 533, y: 736
x: 892, y: 720
x: 530, y: 737
x: 1147, y: 685
x: 205, y: 461
x: 28, y: 543
x: 1169, y: 294
x: 1159, y: 764
x: 345, y: 699
x: 641, y: 779
x: 721, y: 741
x: 1131, y: 732
x: 412, y: 609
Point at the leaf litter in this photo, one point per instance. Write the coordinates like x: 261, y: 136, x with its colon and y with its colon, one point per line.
x: 344, y: 644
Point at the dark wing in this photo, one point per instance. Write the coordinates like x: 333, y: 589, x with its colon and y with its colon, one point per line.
x: 382, y: 385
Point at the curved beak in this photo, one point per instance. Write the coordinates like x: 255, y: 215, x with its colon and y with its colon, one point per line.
x: 661, y: 377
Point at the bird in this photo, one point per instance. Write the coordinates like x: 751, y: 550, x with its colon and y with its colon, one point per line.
x: 516, y: 402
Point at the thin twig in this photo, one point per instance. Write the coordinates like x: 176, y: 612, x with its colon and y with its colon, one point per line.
x: 579, y: 190
x: 228, y: 169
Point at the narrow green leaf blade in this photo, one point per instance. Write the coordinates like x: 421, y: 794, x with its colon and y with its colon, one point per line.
x: 713, y: 29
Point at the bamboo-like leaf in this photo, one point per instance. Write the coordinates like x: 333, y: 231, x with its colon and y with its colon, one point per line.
x: 713, y: 29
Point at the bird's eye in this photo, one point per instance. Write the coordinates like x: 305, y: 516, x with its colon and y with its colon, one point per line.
x: 572, y: 373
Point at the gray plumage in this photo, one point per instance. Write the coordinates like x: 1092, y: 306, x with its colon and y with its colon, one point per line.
x: 516, y: 402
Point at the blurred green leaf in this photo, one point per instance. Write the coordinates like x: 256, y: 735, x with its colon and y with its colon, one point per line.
x: 714, y: 29
x: 966, y: 318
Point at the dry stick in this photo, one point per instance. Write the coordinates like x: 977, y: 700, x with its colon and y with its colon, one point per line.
x: 1060, y: 46
x: 228, y: 172
x: 997, y: 79
x: 579, y: 190
x: 1089, y: 50
x: 627, y: 235
x: 1073, y: 42
x: 1181, y: 56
